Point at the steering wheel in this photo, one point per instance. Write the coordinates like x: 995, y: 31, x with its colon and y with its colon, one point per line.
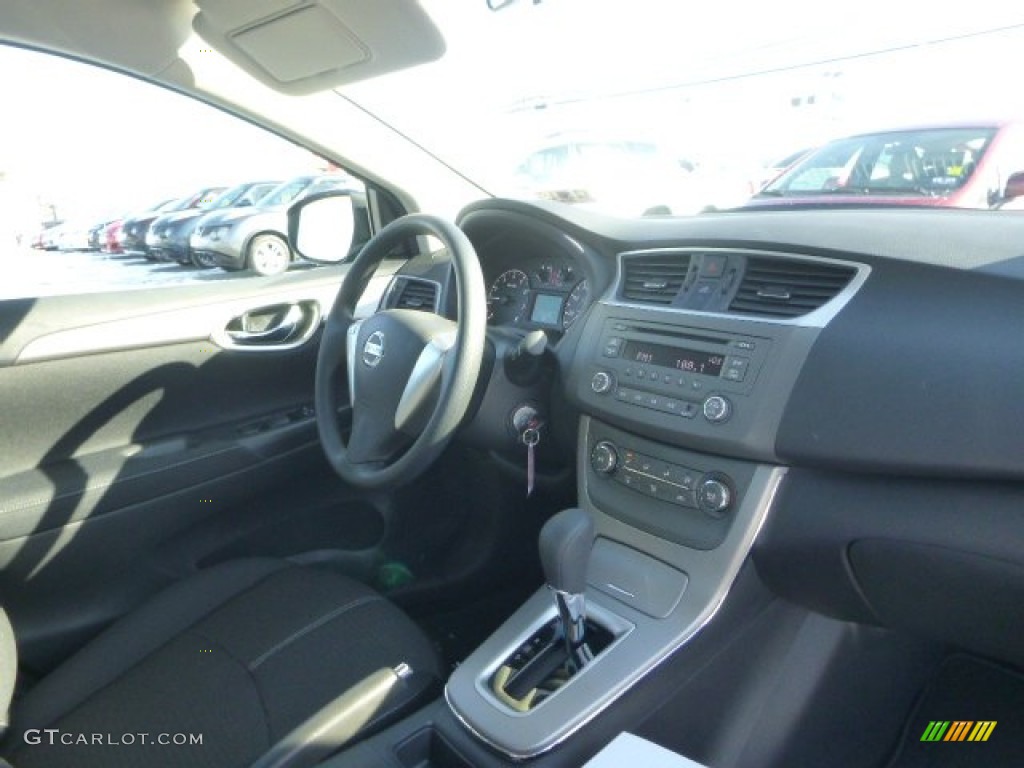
x: 411, y: 374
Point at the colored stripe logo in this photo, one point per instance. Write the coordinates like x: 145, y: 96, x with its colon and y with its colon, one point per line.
x: 958, y: 730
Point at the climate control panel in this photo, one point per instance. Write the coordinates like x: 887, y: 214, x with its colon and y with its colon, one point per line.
x: 674, y: 493
x: 663, y: 480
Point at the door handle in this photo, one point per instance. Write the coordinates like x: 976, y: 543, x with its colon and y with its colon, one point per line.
x: 280, y: 330
x: 275, y: 327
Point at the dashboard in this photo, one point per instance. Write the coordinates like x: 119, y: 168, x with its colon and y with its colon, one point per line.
x: 824, y: 398
x: 685, y: 347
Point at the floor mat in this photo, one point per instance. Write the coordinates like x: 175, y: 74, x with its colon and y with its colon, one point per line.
x: 970, y: 716
x: 457, y: 633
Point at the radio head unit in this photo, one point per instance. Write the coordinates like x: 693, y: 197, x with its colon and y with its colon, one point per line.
x: 676, y: 370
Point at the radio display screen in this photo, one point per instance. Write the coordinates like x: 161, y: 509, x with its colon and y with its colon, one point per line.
x: 688, y: 360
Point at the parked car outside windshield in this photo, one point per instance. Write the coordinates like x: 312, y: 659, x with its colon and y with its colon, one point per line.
x: 943, y: 166
x: 137, y: 227
x: 256, y: 237
x: 168, y: 236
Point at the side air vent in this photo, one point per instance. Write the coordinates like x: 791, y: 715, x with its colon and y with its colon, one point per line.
x: 788, y: 287
x: 654, y: 278
x: 409, y: 293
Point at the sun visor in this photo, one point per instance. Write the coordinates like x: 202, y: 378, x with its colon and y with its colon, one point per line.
x: 299, y: 48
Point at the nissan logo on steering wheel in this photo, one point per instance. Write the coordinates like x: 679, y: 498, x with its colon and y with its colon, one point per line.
x: 373, y: 349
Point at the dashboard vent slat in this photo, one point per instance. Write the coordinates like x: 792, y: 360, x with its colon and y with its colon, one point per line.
x: 788, y: 287
x: 654, y: 278
x: 415, y: 294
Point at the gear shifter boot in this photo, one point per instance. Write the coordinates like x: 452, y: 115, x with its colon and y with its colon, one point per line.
x: 565, y: 543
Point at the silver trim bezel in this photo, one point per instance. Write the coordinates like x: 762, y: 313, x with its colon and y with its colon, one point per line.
x: 222, y: 337
x: 819, y: 318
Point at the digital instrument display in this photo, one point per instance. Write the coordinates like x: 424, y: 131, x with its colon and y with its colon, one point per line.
x: 547, y: 309
x: 688, y: 360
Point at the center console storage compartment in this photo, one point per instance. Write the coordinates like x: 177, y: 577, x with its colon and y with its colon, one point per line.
x: 429, y: 749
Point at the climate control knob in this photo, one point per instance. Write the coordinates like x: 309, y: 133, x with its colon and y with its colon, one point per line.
x: 717, y: 409
x: 714, y: 496
x: 601, y: 382
x: 604, y: 458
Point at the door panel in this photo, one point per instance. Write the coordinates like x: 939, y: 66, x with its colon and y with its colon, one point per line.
x: 129, y: 439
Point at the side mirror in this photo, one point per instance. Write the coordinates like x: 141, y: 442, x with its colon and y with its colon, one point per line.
x: 1014, y: 186
x: 326, y: 227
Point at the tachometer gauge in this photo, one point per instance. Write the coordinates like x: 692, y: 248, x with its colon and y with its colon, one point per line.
x: 508, y: 297
x: 575, y: 303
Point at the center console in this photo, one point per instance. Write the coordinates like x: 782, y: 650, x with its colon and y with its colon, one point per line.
x: 676, y: 474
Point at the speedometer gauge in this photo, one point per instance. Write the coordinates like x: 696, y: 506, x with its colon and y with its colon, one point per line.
x: 508, y: 297
x: 575, y: 303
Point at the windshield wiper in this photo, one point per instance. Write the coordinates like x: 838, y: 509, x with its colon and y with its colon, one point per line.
x: 770, y: 193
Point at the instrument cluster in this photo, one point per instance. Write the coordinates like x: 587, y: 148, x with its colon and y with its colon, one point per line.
x: 545, y: 293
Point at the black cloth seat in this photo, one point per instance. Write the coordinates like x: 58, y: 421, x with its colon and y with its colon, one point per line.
x: 241, y: 653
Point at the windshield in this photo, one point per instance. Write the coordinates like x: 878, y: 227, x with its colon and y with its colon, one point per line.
x: 254, y: 193
x: 658, y: 106
x: 285, y: 193
x: 168, y: 205
x: 229, y: 197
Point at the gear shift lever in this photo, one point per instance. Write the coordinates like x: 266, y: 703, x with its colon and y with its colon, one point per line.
x: 565, y: 543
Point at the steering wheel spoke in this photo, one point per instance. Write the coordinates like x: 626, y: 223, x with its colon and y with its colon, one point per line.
x: 351, y: 338
x: 422, y: 387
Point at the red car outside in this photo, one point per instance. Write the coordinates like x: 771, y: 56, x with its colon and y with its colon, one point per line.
x: 963, y: 165
x: 110, y: 240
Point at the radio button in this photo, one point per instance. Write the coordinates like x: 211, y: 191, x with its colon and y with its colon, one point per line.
x: 623, y: 394
x: 601, y: 382
x: 717, y: 409
x: 736, y: 368
x: 743, y: 344
x: 688, y: 411
x: 612, y: 347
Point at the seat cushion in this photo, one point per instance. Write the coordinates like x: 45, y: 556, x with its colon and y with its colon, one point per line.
x: 239, y: 655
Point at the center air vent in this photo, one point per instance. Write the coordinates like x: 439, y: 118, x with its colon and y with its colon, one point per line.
x: 788, y: 287
x: 409, y: 293
x: 654, y: 278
